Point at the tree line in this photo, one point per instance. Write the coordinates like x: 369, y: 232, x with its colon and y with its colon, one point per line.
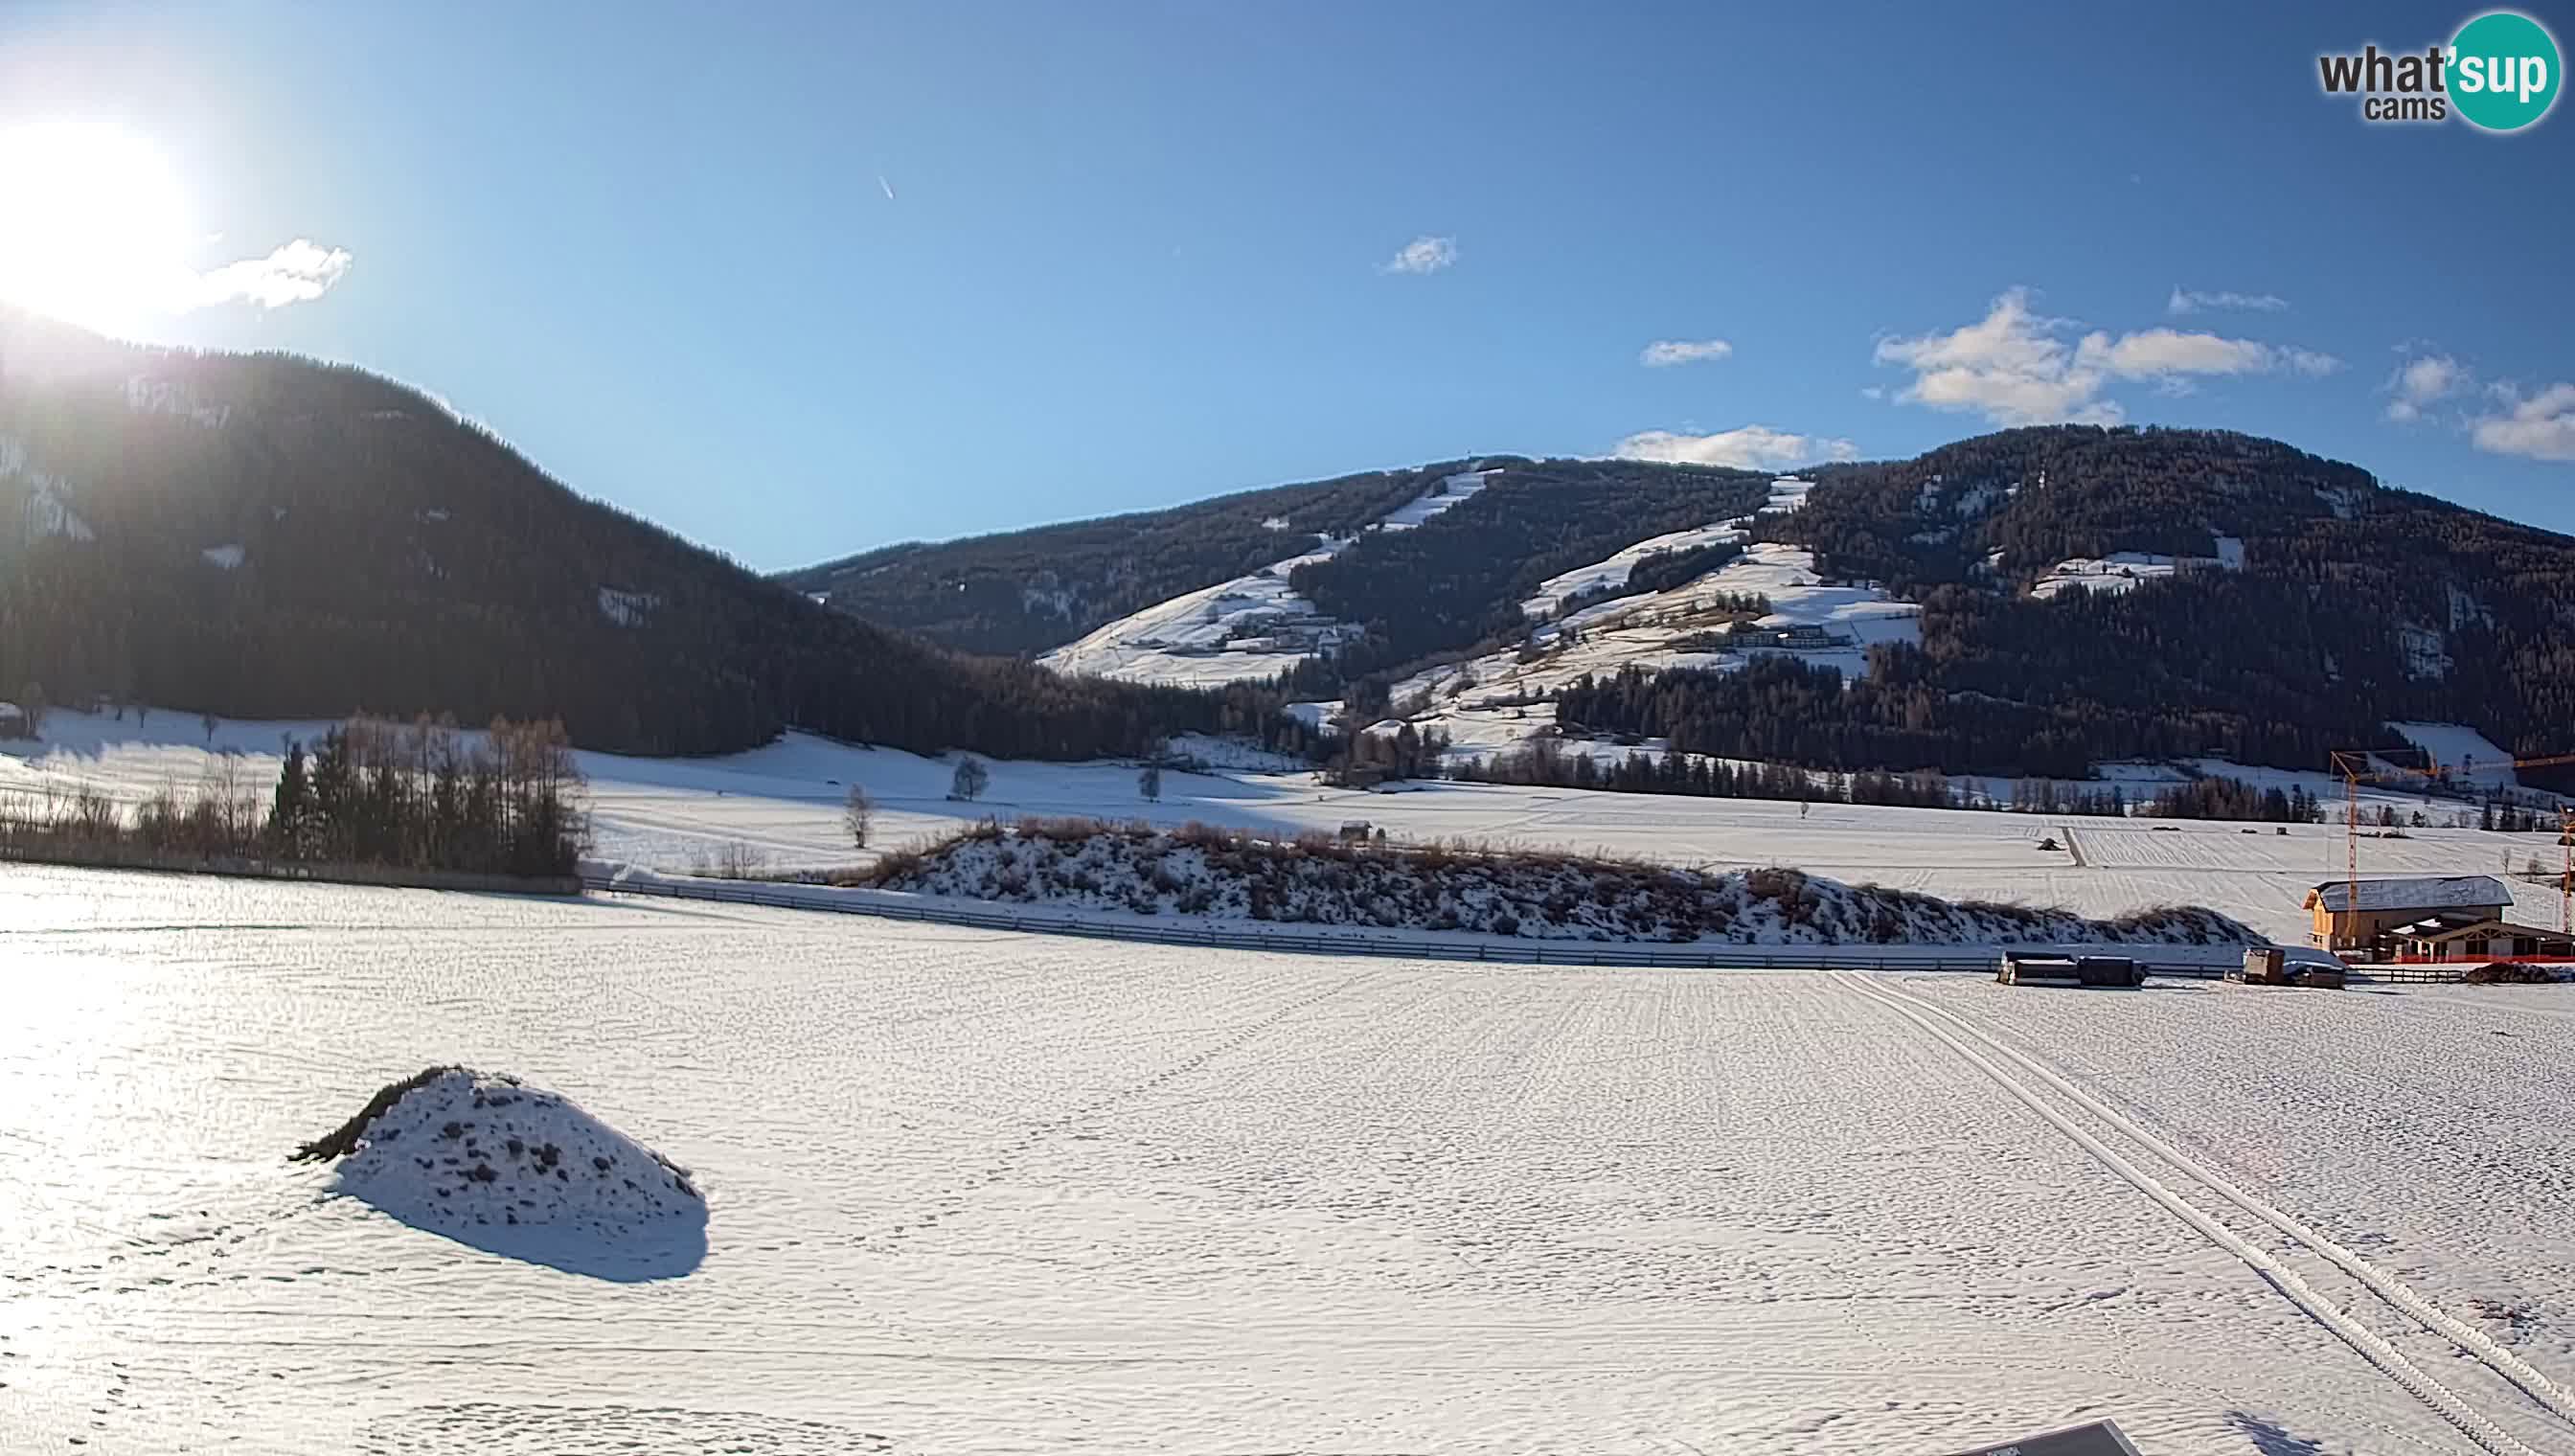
x: 421, y: 795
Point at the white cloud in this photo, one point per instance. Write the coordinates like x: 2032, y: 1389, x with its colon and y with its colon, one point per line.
x: 2422, y: 381
x: 1755, y: 446
x: 2153, y: 353
x: 2185, y: 301
x: 1425, y: 254
x: 2541, y: 426
x: 297, y: 273
x: 2015, y: 368
x: 1664, y: 353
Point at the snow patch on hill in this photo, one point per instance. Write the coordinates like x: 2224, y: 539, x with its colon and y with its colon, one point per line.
x: 2121, y: 571
x: 2467, y: 755
x: 2426, y: 651
x: 227, y: 557
x: 148, y: 396
x: 1250, y: 628
x: 627, y: 609
x: 1498, y: 701
x: 1613, y: 572
x: 490, y: 1162
x: 1230, y: 875
x: 48, y: 513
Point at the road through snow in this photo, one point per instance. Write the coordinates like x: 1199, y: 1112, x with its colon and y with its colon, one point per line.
x: 980, y: 1193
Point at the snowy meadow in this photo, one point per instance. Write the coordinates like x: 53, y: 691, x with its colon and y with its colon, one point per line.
x: 982, y: 1192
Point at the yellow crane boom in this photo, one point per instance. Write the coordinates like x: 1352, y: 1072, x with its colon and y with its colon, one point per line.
x: 2362, y: 766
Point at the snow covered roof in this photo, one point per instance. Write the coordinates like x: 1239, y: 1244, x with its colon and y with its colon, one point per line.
x: 2413, y: 892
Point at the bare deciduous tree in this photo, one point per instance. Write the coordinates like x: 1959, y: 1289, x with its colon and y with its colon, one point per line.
x: 858, y: 814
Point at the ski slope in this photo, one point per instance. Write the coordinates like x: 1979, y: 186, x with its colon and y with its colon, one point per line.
x: 978, y: 1193
x: 1250, y: 628
x: 1613, y: 570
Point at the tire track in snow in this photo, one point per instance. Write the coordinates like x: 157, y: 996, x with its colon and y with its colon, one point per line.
x: 1962, y: 1038
x: 2074, y: 846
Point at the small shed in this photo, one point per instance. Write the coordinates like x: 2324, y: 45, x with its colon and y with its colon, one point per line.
x: 2263, y: 967
x: 13, y: 722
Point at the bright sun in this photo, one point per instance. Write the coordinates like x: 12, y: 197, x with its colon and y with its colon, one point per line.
x: 98, y: 232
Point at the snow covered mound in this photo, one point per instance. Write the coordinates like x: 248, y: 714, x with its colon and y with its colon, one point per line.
x: 490, y: 1162
x: 1321, y: 878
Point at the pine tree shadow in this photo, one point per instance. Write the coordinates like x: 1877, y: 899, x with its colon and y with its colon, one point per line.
x: 2269, y: 1439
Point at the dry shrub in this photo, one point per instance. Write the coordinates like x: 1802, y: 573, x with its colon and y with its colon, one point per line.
x: 343, y: 1140
x: 1200, y: 834
x: 1060, y: 830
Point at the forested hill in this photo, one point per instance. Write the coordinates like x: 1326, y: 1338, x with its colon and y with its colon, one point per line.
x: 1453, y: 579
x: 1023, y: 591
x: 268, y: 537
x: 2093, y: 593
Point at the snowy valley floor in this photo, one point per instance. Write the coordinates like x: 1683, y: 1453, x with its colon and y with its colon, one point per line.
x: 781, y: 805
x: 991, y: 1193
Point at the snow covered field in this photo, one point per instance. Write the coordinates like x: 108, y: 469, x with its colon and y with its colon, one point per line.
x: 971, y: 1194
x: 782, y: 806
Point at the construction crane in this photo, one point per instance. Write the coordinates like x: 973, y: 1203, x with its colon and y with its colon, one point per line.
x: 2364, y: 766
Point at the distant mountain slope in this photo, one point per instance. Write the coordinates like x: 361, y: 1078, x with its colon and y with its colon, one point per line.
x: 1395, y: 589
x: 2093, y: 594
x: 266, y: 536
x: 1024, y: 591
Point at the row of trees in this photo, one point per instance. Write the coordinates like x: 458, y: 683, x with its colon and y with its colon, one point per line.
x: 423, y: 796
x: 2233, y: 798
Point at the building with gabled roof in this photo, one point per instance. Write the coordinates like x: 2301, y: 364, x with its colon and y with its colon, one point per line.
x: 2362, y: 918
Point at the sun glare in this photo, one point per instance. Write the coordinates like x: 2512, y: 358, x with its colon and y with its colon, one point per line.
x: 99, y: 231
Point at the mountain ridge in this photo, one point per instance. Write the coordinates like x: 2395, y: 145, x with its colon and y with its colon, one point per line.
x: 261, y: 536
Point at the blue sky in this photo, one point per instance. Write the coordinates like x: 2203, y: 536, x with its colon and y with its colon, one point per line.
x: 1138, y: 255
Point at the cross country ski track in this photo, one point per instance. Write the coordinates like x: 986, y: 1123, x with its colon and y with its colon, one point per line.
x: 2337, y: 1288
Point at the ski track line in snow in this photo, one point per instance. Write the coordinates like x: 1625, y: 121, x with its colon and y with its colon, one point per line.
x: 2074, y: 846
x: 2534, y: 1383
x: 2376, y: 1349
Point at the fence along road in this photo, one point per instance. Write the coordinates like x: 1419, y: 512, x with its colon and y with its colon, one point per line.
x: 2196, y: 962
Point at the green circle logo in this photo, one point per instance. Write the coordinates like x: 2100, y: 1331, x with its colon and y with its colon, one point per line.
x: 2504, y: 71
